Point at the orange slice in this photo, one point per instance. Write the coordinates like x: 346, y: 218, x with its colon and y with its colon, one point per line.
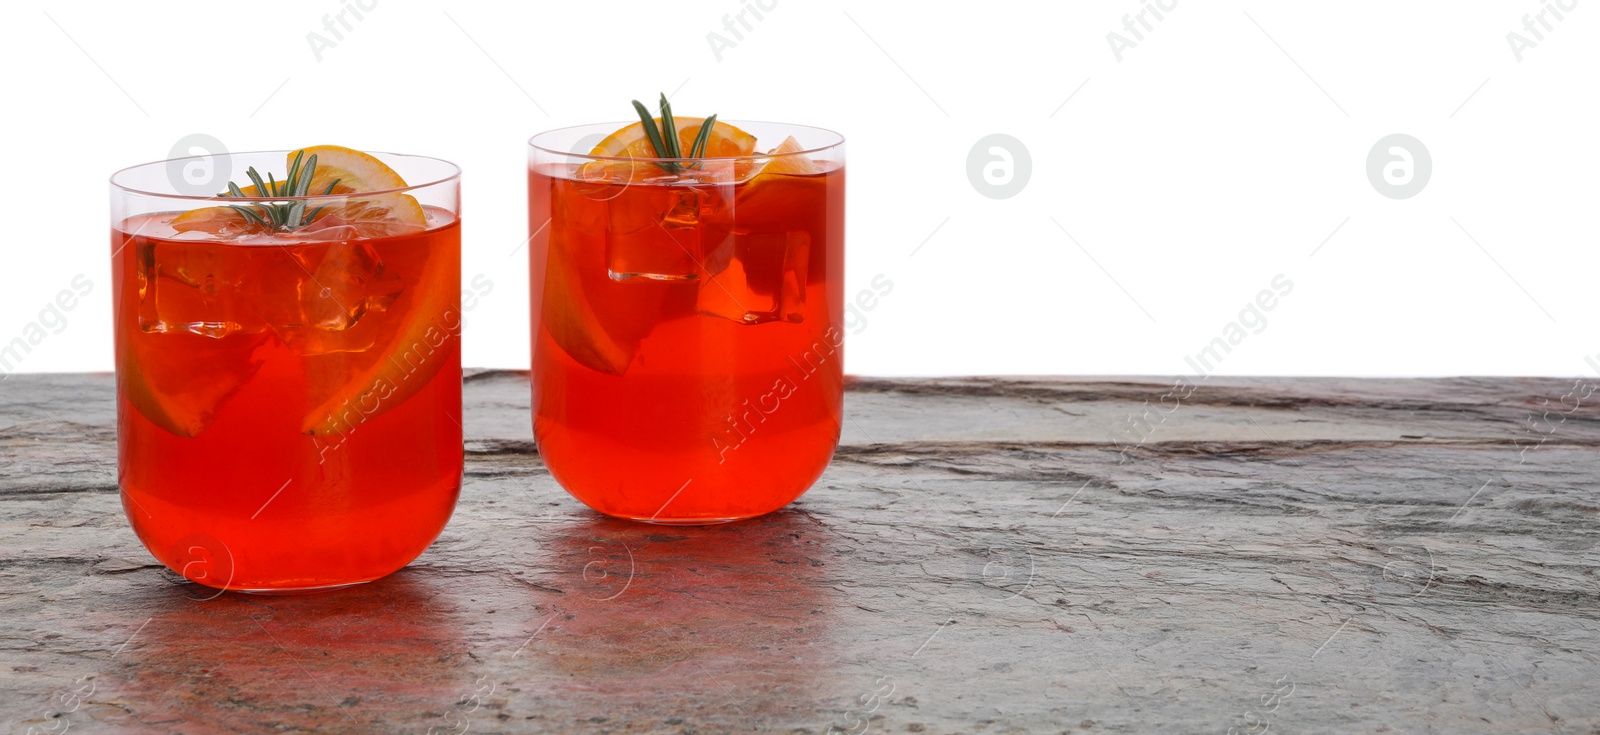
x: 346, y: 171
x: 351, y: 171
x: 222, y: 221
x: 784, y: 162
x: 354, y: 169
x: 572, y: 323
x: 385, y: 215
x: 630, y: 141
x: 417, y: 333
x: 169, y: 391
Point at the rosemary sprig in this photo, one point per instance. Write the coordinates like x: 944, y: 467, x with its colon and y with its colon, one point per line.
x: 664, y: 140
x: 280, y: 216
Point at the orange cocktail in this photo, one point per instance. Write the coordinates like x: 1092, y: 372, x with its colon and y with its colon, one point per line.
x: 289, y: 369
x: 687, y: 337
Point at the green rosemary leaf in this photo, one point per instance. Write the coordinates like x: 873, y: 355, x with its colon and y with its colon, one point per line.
x: 255, y: 178
x: 702, y: 138
x: 651, y: 132
x: 294, y: 171
x: 305, y: 177
x: 248, y: 214
x: 664, y: 140
x: 669, y: 130
x: 280, y: 216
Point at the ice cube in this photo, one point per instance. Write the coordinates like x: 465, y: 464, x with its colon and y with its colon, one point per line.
x: 194, y: 288
x: 349, y: 281
x: 334, y: 288
x: 671, y: 228
x: 320, y: 297
x: 654, y: 233
x: 765, y: 278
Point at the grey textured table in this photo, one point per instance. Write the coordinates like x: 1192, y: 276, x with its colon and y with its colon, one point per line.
x: 983, y: 556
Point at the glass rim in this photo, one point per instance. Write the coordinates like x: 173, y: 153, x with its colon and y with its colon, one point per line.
x: 838, y: 141
x: 455, y: 175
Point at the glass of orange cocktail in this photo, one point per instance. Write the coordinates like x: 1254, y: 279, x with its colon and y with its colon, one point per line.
x: 687, y: 298
x: 288, y: 364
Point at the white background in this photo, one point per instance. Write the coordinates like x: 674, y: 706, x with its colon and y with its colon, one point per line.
x: 1190, y: 173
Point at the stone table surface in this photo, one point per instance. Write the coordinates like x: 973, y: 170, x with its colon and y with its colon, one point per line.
x: 984, y: 555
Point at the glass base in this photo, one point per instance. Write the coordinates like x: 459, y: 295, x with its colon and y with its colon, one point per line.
x: 297, y: 590
x: 683, y: 521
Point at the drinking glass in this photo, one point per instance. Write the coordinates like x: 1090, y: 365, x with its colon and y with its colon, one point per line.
x: 288, y: 398
x: 687, y: 322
